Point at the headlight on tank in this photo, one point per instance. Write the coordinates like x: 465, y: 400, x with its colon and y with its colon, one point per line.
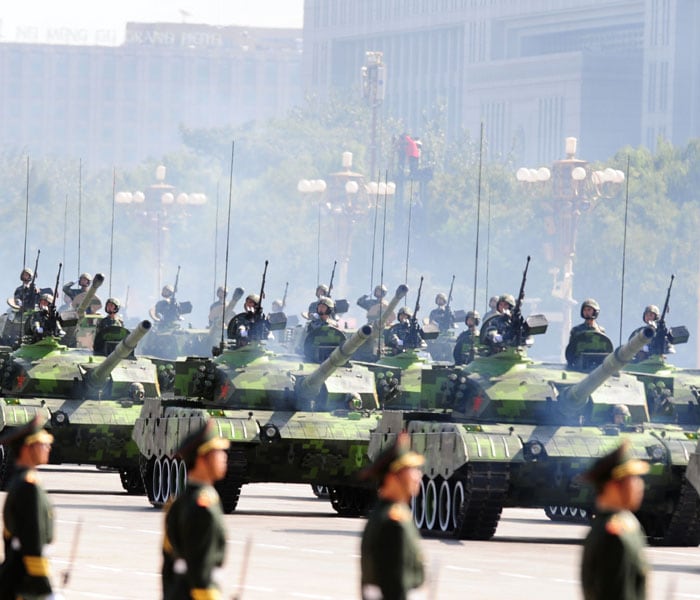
x: 534, y: 450
x: 269, y: 433
x: 59, y: 418
x: 657, y: 453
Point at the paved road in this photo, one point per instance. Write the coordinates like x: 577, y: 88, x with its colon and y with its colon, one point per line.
x: 299, y: 549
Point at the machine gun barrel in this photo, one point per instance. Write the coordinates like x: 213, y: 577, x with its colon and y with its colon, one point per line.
x: 311, y: 385
x: 97, y: 281
x: 576, y: 396
x: 98, y: 376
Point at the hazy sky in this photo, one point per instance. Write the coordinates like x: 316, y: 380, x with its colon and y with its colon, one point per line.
x: 34, y: 20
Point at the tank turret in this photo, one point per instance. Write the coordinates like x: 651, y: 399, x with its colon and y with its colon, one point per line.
x: 574, y: 398
x: 98, y: 376
x: 311, y: 385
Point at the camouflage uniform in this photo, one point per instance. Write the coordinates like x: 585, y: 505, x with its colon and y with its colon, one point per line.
x: 443, y: 317
x: 194, y: 544
x: 27, y: 296
x: 467, y: 341
x: 167, y: 310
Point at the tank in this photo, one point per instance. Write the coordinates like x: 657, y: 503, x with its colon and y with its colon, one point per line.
x: 168, y: 342
x: 506, y: 431
x: 288, y: 421
x: 90, y: 402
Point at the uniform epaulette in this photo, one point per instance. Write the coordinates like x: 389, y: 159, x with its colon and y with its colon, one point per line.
x: 206, y: 497
x: 399, y: 512
x: 621, y: 523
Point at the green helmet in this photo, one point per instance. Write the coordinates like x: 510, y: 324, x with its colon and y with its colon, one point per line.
x: 85, y: 276
x: 380, y: 291
x: 28, y: 271
x: 115, y: 301
x: 326, y: 301
x: 167, y: 291
x: 593, y: 304
x: 508, y: 299
x: 472, y: 314
x: 47, y: 297
x: 405, y: 311
x: 253, y: 298
x: 653, y: 309
x: 324, y: 289
x: 440, y: 296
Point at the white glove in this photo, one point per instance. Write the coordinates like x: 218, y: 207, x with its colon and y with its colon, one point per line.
x: 242, y: 332
x: 39, y: 329
x: 399, y: 342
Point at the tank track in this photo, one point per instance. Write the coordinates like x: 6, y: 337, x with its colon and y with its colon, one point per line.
x: 350, y: 501
x: 132, y: 481
x: 681, y: 527
x: 229, y: 487
x: 485, y: 488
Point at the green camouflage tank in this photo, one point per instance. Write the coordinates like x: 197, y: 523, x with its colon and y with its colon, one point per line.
x: 507, y: 431
x: 288, y: 420
x: 90, y: 402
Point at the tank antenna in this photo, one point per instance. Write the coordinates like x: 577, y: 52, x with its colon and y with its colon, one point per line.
x: 374, y: 233
x: 408, y: 233
x: 624, y: 248
x: 228, y: 238
x: 216, y: 242
x: 111, y: 235
x: 478, y: 217
x: 26, y: 217
x: 80, y: 206
x: 65, y: 228
x: 381, y: 273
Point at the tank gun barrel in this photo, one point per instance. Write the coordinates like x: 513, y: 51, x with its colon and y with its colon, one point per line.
x: 576, y: 396
x: 97, y: 281
x: 311, y: 385
x: 97, y: 376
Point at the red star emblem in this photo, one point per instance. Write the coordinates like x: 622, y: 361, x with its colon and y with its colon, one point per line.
x: 20, y: 381
x: 224, y: 391
x: 477, y: 403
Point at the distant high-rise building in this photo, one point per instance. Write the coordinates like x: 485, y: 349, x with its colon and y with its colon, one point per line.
x: 534, y: 71
x: 120, y: 104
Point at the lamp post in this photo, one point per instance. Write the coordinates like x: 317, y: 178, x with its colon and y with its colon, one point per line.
x: 162, y: 203
x: 373, y: 80
x: 575, y: 188
x: 346, y: 198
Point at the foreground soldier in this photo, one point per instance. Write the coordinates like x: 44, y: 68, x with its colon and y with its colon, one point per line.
x: 195, y: 539
x: 102, y: 331
x: 27, y: 516
x: 391, y: 558
x: 613, y: 564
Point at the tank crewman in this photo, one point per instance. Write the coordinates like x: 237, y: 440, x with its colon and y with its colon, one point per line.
x: 391, y: 559
x: 376, y: 304
x: 277, y: 306
x: 590, y: 309
x: 613, y: 564
x: 45, y: 321
x: 216, y: 310
x: 194, y: 544
x: 402, y: 336
x: 113, y: 319
x: 321, y: 292
x: 442, y: 314
x: 650, y: 316
x: 322, y: 333
x: 76, y: 294
x: 493, y: 302
x: 27, y: 515
x: 27, y: 294
x: 167, y: 310
x: 467, y: 342
x: 496, y: 326
x: 251, y: 324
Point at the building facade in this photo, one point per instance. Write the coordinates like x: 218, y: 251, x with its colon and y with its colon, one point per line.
x: 121, y: 104
x: 609, y: 72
